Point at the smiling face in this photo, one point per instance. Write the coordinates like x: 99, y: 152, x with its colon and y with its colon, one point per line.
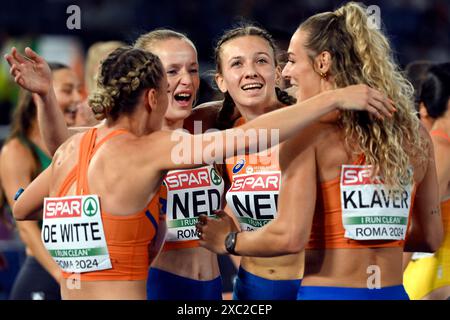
x: 67, y: 90
x: 248, y: 71
x: 299, y: 70
x: 179, y: 59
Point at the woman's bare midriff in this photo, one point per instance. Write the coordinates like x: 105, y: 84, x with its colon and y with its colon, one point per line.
x: 289, y: 267
x: 73, y: 289
x: 357, y: 268
x: 193, y: 263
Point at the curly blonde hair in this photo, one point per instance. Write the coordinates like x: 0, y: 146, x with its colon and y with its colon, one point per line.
x: 362, y: 54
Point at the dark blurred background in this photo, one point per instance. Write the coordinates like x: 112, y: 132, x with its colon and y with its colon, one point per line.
x: 418, y: 28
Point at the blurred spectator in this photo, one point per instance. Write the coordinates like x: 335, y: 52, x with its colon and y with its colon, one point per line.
x: 435, y: 93
x: 96, y: 53
x: 416, y: 72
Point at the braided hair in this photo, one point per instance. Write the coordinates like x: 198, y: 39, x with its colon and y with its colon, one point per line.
x: 124, y: 75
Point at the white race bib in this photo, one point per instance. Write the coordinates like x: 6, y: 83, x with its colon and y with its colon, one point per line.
x: 72, y: 232
x: 253, y: 198
x: 369, y: 210
x: 189, y: 194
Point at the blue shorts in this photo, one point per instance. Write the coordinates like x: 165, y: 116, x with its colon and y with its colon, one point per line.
x: 342, y: 293
x: 247, y: 286
x: 163, y: 285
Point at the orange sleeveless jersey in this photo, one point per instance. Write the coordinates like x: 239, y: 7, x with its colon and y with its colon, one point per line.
x: 327, y: 230
x: 127, y: 237
x: 255, y: 184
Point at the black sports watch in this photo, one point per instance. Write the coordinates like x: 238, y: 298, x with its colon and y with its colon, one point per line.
x: 230, y: 243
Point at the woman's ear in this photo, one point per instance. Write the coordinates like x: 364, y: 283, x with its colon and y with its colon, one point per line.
x: 322, y: 63
x: 220, y: 83
x: 278, y: 76
x: 423, y: 111
x: 151, y: 100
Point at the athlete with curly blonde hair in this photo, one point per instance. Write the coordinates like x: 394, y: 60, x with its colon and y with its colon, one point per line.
x: 350, y: 180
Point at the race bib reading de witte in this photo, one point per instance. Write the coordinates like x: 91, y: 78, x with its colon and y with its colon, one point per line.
x: 189, y: 194
x: 370, y: 211
x: 72, y: 232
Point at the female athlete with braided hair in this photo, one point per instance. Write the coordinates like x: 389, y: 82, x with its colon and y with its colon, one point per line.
x: 332, y: 200
x: 117, y: 162
x: 183, y: 270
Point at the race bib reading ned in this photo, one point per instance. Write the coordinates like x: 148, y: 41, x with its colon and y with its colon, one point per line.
x: 189, y: 194
x: 253, y: 198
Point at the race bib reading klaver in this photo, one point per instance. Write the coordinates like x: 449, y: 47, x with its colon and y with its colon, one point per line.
x: 370, y: 211
x: 73, y: 233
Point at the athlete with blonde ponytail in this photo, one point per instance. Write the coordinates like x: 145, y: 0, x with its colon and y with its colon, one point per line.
x: 350, y: 180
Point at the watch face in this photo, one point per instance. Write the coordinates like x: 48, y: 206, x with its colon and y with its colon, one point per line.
x: 229, y: 241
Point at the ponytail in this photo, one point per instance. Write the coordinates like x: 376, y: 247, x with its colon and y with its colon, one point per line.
x: 284, y: 97
x: 225, y: 117
x: 362, y: 54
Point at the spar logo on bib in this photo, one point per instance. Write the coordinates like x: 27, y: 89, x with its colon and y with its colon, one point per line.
x: 69, y: 207
x: 215, y: 178
x: 256, y: 182
x: 90, y: 207
x: 359, y: 176
x: 187, y: 179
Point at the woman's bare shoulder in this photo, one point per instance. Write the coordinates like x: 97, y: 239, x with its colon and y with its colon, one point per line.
x: 307, y: 137
x: 15, y: 153
x: 68, y: 147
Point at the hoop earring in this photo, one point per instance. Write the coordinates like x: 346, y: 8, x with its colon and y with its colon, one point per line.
x: 323, y: 75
